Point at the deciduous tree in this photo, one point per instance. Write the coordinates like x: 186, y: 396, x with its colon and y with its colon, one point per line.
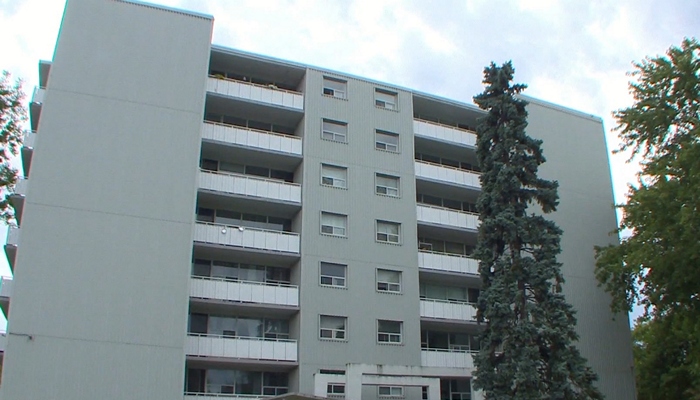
x: 13, y: 115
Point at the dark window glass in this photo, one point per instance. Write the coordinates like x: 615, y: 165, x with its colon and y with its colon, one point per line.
x: 210, y: 165
x: 257, y: 171
x: 198, y: 323
x: 282, y: 175
x: 195, y: 380
x: 201, y: 268
x: 205, y: 214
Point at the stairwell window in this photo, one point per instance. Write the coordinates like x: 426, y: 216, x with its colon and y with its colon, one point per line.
x: 386, y: 99
x: 334, y: 224
x: 332, y: 327
x: 334, y: 130
x: 337, y: 88
x: 333, y: 175
x: 388, y: 232
x: 388, y: 281
x: 387, y: 141
x: 387, y: 185
x: 333, y: 274
x: 389, y: 331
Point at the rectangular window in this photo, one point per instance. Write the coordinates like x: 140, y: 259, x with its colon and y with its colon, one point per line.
x: 333, y: 274
x: 334, y: 130
x: 332, y: 175
x: 335, y: 390
x: 387, y: 185
x: 332, y: 327
x: 388, y: 141
x: 385, y: 99
x: 334, y: 224
x: 388, y: 232
x: 390, y: 391
x: 335, y: 87
x: 388, y: 281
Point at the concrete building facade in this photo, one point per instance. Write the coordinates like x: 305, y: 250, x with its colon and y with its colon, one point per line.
x: 199, y: 222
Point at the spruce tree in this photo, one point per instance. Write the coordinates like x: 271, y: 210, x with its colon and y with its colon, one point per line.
x: 527, y: 348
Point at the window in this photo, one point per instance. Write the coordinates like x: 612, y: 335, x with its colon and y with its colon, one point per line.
x: 332, y: 175
x: 385, y: 99
x: 334, y: 130
x: 335, y: 87
x: 333, y: 274
x: 387, y: 185
x: 390, y: 391
x: 389, y: 331
x: 335, y: 390
x: 388, y: 232
x: 388, y: 281
x: 333, y: 224
x: 386, y: 141
x: 332, y: 327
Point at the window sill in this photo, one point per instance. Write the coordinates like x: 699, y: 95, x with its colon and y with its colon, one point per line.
x: 389, y: 243
x: 333, y: 340
x: 334, y: 141
x: 334, y: 187
x: 387, y: 195
x: 386, y: 109
x: 333, y: 287
x: 388, y: 151
x: 389, y: 344
x: 389, y: 292
x: 334, y: 97
x: 334, y: 236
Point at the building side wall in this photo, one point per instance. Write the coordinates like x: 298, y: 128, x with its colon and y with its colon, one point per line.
x: 359, y: 302
x: 102, y: 273
x: 574, y: 146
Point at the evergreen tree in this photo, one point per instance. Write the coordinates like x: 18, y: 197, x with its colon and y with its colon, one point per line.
x: 527, y: 349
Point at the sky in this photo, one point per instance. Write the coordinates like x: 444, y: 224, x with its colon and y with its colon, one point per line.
x: 570, y: 52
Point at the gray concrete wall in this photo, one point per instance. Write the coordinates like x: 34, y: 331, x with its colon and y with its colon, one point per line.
x: 100, y: 309
x: 359, y: 302
x: 574, y: 145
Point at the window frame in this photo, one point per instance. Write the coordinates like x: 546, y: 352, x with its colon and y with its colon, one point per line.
x: 390, y: 287
x: 334, y: 135
x: 389, y: 236
x: 331, y: 167
x: 333, y: 227
x: 387, y: 189
x: 391, y: 388
x: 331, y: 388
x: 332, y: 277
x: 382, y: 102
x: 386, y: 148
x: 390, y: 335
x: 333, y: 331
x: 344, y: 95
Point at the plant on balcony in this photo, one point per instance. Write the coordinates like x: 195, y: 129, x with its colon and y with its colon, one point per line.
x: 13, y: 116
x: 527, y: 349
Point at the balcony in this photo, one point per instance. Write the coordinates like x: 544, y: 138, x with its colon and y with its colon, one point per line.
x: 220, y: 396
x: 445, y: 262
x: 250, y: 186
x: 18, y: 197
x: 449, y: 175
x: 11, y: 245
x: 247, y: 238
x: 248, y: 137
x: 5, y: 294
x: 445, y: 309
x: 27, y: 151
x: 446, y: 217
x: 446, y: 359
x: 444, y: 133
x: 244, y: 291
x: 256, y: 93
x: 250, y: 348
x: 35, y: 107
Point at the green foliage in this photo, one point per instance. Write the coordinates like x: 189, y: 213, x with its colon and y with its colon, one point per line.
x: 527, y: 349
x: 658, y: 266
x: 13, y: 115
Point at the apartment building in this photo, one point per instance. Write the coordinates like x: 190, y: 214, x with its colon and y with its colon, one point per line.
x: 203, y: 223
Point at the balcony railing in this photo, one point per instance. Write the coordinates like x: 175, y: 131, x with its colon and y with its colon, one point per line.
x: 447, y: 262
x: 251, y: 186
x: 247, y: 238
x: 11, y: 245
x: 251, y: 348
x: 444, y: 133
x: 447, y: 217
x: 18, y: 198
x: 445, y: 309
x: 222, y: 396
x: 5, y: 294
x: 254, y: 138
x: 447, y: 174
x: 447, y: 359
x: 259, y: 93
x: 244, y: 291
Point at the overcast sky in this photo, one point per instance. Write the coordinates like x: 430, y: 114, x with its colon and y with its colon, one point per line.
x: 573, y: 53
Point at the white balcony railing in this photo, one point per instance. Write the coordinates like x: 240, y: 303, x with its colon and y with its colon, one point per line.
x: 444, y: 133
x: 448, y: 262
x: 3, y: 341
x: 251, y: 348
x: 446, y: 217
x: 263, y: 140
x: 446, y: 359
x: 446, y: 174
x: 444, y: 309
x: 244, y: 291
x: 246, y: 185
x: 254, y: 92
x: 247, y: 238
x: 38, y: 95
x: 12, y: 237
x: 6, y: 287
x: 222, y: 396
